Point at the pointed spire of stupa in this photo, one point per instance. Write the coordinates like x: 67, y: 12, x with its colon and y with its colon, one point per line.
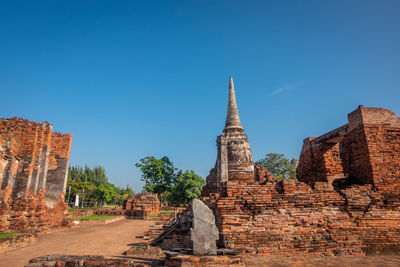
x: 232, y: 116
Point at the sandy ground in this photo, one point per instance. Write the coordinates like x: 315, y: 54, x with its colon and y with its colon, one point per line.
x: 111, y: 240
x: 334, y: 261
x: 107, y: 240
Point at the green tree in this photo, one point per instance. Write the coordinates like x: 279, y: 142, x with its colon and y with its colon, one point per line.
x: 123, y: 194
x: 187, y: 187
x: 279, y: 166
x: 128, y: 192
x: 77, y: 188
x: 106, y: 192
x: 98, y: 176
x: 96, y: 185
x: 75, y: 173
x: 159, y: 175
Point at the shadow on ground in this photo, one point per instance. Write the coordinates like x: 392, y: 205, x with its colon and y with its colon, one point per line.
x: 148, y: 261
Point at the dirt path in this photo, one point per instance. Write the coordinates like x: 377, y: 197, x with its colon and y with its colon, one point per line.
x: 332, y: 261
x: 108, y: 240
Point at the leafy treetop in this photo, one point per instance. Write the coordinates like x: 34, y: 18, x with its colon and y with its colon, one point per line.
x: 279, y: 166
x: 159, y: 175
x: 171, y: 185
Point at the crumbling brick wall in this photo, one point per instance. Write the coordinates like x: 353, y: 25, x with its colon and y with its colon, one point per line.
x: 384, y: 150
x: 26, y: 135
x: 58, y: 166
x: 25, y: 149
x: 289, y: 217
x: 356, y: 163
x: 366, y: 151
x: 211, y: 183
x: 346, y: 202
x: 9, y: 161
x: 319, y: 163
x: 144, y: 204
x: 292, y: 218
x: 30, y: 213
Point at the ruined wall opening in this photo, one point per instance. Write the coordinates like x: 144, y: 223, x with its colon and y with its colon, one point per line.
x: 333, y: 161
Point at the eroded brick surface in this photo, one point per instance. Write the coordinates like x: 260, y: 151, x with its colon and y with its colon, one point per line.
x: 18, y: 241
x: 346, y: 203
x: 364, y: 151
x: 203, y: 261
x: 27, y: 150
x: 142, y: 205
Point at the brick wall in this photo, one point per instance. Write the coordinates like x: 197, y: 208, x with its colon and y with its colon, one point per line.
x: 9, y: 162
x: 25, y: 152
x: 58, y: 166
x: 346, y: 201
x: 365, y: 151
x: 25, y: 134
x: 356, y: 158
x: 289, y: 217
x: 30, y: 213
x: 384, y: 150
x: 146, y: 202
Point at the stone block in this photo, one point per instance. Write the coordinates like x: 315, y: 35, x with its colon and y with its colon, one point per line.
x: 204, y: 233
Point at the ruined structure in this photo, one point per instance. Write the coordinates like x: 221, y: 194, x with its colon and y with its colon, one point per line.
x: 142, y: 205
x: 365, y: 151
x: 34, y: 164
x: 346, y: 201
x: 234, y: 160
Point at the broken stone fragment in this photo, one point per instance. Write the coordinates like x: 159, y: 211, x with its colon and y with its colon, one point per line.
x: 204, y: 232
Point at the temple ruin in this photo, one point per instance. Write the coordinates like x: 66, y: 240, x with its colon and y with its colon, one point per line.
x: 34, y: 163
x: 234, y: 160
x: 366, y: 150
x: 142, y: 205
x: 346, y: 200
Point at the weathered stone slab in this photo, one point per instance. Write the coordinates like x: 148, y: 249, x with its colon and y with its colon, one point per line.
x: 204, y: 233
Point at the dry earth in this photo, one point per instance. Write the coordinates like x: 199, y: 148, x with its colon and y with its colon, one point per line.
x: 107, y: 240
x: 334, y: 261
x: 111, y: 240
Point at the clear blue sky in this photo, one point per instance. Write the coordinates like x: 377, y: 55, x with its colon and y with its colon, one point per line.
x: 135, y: 78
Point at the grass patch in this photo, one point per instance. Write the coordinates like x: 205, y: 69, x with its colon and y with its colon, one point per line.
x: 89, y: 208
x: 153, y: 216
x: 5, y: 235
x: 96, y: 217
x: 166, y: 212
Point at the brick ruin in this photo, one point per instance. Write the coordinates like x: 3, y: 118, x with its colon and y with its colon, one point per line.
x: 366, y: 150
x: 34, y: 164
x: 234, y: 160
x: 142, y: 205
x: 346, y: 200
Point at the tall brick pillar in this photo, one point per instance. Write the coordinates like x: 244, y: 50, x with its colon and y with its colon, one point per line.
x: 377, y: 159
x: 41, y: 160
x: 27, y: 135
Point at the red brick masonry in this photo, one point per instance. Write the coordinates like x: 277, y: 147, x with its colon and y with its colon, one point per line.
x: 142, y: 205
x: 33, y: 173
x: 347, y: 200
